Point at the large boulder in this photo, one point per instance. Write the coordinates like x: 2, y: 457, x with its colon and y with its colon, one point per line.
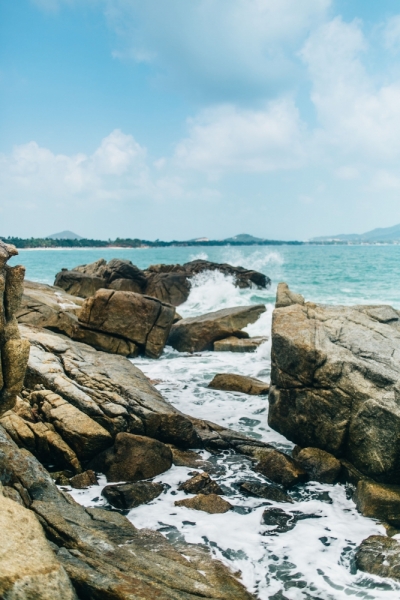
x: 28, y: 566
x: 168, y: 283
x: 379, y: 501
x: 132, y: 458
x: 379, y: 555
x: 129, y: 495
x: 199, y: 333
x: 143, y: 320
x: 335, y: 382
x: 14, y: 351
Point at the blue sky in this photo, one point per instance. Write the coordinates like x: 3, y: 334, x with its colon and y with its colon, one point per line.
x: 176, y: 119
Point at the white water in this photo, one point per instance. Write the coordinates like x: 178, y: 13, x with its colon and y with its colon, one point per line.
x: 313, y: 560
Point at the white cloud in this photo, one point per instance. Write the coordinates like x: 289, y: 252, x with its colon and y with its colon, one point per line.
x: 391, y: 33
x: 229, y: 139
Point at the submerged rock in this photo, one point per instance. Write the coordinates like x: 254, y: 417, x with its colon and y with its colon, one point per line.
x: 129, y: 495
x: 265, y: 490
x: 199, y: 333
x: 334, y: 382
x: 230, y: 382
x: 277, y: 518
x: 320, y: 465
x: 211, y: 503
x: 235, y: 344
x: 201, y: 482
x: 133, y: 457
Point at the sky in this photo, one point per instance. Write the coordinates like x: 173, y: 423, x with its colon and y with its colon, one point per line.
x: 178, y: 119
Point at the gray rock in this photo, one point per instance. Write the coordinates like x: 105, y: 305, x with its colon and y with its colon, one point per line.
x: 334, y: 383
x: 199, y: 333
x: 78, y: 284
x: 129, y: 495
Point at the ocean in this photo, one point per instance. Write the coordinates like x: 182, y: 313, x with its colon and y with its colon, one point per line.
x: 314, y: 560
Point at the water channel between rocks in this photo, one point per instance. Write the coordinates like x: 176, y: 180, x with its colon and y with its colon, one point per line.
x: 315, y: 559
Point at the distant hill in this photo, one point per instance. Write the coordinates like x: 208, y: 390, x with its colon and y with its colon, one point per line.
x: 244, y: 238
x: 381, y: 234
x: 65, y: 235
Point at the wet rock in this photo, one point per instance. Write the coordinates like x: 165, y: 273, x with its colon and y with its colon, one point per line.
x: 265, y: 490
x: 188, y: 458
x: 379, y: 555
x: 129, y: 495
x: 212, y: 503
x: 83, y: 480
x: 28, y: 567
x: 379, y: 501
x: 14, y: 351
x: 278, y: 519
x: 199, y: 333
x: 349, y: 473
x: 320, y: 465
x: 132, y: 458
x: 235, y: 344
x: 201, y: 482
x: 142, y: 320
x: 239, y: 383
x: 86, y: 437
x: 280, y: 468
x: 334, y: 383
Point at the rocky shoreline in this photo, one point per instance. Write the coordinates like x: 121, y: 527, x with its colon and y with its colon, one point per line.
x: 77, y: 407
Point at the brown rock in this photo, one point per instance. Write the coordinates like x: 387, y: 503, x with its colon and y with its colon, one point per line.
x: 78, y: 284
x: 234, y: 344
x: 379, y: 555
x: 285, y: 297
x: 83, y: 480
x: 379, y: 501
x: 28, y: 566
x: 86, y: 437
x: 281, y: 468
x: 211, y: 503
x: 188, y: 458
x: 129, y: 495
x: 132, y: 458
x: 200, y: 483
x: 231, y: 382
x: 142, y: 320
x: 199, y: 333
x: 320, y: 465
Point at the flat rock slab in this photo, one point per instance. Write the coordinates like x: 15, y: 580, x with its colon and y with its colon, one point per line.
x: 335, y: 381
x: 230, y: 382
x: 212, y: 503
x: 129, y: 495
x: 235, y: 344
x: 199, y: 333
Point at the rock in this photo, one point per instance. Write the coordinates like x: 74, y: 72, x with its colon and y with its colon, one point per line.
x: 280, y: 468
x: 14, y: 351
x: 28, y: 567
x: 334, y: 383
x: 235, y: 344
x: 265, y: 490
x: 379, y: 555
x: 201, y: 482
x: 78, y: 284
x: 129, y: 495
x: 168, y: 283
x: 133, y: 457
x: 279, y: 519
x: 109, y: 389
x: 103, y: 554
x: 83, y: 480
x: 199, y: 333
x: 188, y: 458
x: 143, y: 320
x: 320, y: 465
x: 211, y: 503
x: 86, y: 437
x: 231, y: 382
x: 285, y: 297
x: 379, y: 501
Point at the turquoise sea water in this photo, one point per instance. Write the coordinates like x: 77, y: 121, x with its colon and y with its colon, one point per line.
x: 329, y: 274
